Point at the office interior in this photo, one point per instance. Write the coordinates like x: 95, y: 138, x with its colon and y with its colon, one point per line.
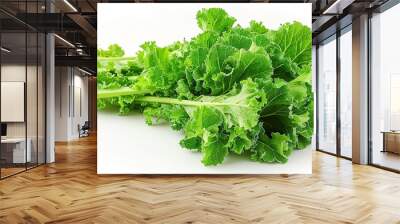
x: 48, y: 83
x: 48, y: 128
x: 355, y: 59
x: 48, y: 79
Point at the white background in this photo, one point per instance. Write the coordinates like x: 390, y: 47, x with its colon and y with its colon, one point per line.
x: 130, y: 25
x: 126, y: 145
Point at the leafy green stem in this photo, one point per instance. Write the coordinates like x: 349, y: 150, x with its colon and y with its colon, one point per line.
x: 108, y: 93
x: 167, y: 100
x: 125, y: 91
x: 116, y: 58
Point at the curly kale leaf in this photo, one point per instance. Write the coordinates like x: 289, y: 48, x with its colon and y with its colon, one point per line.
x: 229, y: 121
x: 290, y: 50
x: 214, y: 19
x: 230, y: 89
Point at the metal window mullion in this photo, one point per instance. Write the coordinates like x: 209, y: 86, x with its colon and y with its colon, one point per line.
x: 338, y: 92
x: 69, y: 92
x: 26, y: 87
x: 45, y: 96
x: 45, y: 90
x: 37, y: 91
x: 73, y: 92
x: 60, y: 92
x: 317, y: 97
x: 369, y: 91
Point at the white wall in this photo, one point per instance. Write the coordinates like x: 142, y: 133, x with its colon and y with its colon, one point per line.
x: 70, y: 83
x: 62, y: 81
x: 15, y: 73
x: 13, y: 101
x: 80, y: 94
x: 34, y: 125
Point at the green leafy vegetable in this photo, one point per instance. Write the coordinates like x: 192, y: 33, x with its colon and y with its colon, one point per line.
x: 214, y: 19
x: 230, y: 89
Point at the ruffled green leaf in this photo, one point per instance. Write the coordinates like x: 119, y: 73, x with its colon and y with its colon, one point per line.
x: 214, y: 19
x: 241, y: 90
x: 274, y: 149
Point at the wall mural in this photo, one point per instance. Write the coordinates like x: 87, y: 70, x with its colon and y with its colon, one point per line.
x: 232, y: 81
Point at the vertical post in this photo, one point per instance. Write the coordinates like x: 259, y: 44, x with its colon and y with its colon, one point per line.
x: 338, y: 76
x: 50, y: 92
x: 360, y: 90
x: 26, y: 88
x: 369, y: 90
x: 316, y: 100
x: 37, y: 90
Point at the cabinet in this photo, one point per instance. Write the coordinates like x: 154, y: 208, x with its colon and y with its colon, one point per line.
x: 391, y: 142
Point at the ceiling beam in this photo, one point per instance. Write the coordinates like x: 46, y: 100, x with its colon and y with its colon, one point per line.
x: 79, y: 61
x: 337, y: 6
x: 86, y: 27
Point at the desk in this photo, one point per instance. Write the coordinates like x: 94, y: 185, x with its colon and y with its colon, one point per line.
x: 391, y: 141
x: 17, y: 150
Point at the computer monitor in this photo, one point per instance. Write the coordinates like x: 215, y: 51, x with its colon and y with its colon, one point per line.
x: 3, y: 129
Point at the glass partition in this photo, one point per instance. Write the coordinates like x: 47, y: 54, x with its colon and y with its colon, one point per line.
x: 23, y: 89
x: 13, y: 95
x: 327, y: 95
x: 385, y: 90
x: 32, y: 98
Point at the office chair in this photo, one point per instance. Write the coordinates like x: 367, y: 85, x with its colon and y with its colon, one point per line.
x: 84, y: 130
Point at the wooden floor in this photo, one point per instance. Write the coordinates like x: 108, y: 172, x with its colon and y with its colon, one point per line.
x: 8, y: 171
x: 69, y: 191
x: 387, y: 159
x: 5, y: 172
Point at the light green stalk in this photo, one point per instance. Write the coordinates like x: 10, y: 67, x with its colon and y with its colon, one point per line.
x: 108, y: 93
x: 125, y: 91
x: 103, y: 59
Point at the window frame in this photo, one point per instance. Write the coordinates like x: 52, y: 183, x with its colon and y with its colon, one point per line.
x: 334, y: 37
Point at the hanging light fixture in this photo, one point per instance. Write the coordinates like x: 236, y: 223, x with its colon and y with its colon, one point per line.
x: 70, y: 5
x: 64, y: 40
x: 5, y: 50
